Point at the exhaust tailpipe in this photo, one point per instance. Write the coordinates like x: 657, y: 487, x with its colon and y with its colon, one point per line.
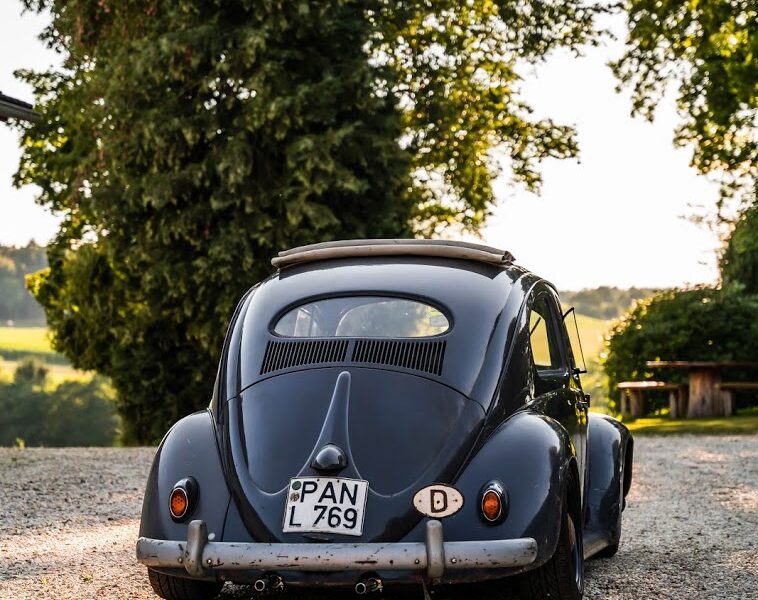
x: 270, y: 582
x: 368, y: 585
x: 275, y: 582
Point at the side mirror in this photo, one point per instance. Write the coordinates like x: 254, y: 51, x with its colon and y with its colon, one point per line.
x: 575, y: 340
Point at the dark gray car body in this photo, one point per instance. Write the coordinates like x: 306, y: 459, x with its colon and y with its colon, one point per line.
x: 462, y: 408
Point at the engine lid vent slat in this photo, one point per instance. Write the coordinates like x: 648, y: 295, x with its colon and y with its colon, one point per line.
x: 424, y: 356
x: 414, y: 355
x: 287, y: 354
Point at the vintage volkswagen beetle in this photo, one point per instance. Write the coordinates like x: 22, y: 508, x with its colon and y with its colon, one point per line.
x: 389, y: 412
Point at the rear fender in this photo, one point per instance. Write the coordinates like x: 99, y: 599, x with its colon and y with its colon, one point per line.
x: 610, y: 447
x: 189, y: 449
x: 533, y: 457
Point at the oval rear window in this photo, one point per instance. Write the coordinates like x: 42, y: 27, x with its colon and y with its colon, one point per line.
x: 363, y: 316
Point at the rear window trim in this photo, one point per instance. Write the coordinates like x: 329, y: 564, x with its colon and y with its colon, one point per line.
x: 363, y: 293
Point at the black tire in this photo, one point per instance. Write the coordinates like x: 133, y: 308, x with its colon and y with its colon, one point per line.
x: 179, y: 588
x: 561, y: 577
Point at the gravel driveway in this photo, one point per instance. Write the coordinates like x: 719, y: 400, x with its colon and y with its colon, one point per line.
x: 69, y: 519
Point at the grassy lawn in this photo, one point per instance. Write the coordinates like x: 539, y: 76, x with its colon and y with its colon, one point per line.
x: 743, y: 422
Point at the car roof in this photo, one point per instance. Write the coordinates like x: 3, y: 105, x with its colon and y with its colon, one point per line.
x: 392, y: 247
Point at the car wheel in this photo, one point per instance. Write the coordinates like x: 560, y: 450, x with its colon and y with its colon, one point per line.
x: 561, y: 577
x: 179, y: 588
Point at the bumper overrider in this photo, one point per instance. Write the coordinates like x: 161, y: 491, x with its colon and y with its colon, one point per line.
x: 201, y: 557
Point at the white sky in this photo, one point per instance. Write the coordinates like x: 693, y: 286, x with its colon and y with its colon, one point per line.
x: 616, y: 217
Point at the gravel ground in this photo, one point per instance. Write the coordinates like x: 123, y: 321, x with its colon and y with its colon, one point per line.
x: 69, y: 520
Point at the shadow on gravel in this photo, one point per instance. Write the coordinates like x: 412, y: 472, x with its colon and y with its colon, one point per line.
x: 502, y: 590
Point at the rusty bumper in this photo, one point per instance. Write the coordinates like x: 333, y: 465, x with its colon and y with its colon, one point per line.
x: 201, y: 557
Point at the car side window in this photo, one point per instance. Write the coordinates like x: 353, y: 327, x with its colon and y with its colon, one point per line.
x: 539, y: 341
x: 543, y: 337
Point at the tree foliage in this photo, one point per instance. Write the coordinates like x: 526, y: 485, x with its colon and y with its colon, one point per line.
x: 16, y: 304
x: 694, y: 324
x: 739, y: 261
x: 455, y: 74
x: 74, y: 413
x: 186, y: 142
x: 709, y: 49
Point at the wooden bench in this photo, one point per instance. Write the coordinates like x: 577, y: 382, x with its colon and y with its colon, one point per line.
x: 633, y: 401
x: 727, y: 389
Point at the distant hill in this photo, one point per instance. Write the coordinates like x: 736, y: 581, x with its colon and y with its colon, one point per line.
x: 604, y: 302
x: 16, y: 303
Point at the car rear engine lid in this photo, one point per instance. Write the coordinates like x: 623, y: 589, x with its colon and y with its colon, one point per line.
x: 392, y: 247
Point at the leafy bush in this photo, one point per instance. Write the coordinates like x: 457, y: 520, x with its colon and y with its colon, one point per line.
x: 72, y: 414
x: 694, y: 324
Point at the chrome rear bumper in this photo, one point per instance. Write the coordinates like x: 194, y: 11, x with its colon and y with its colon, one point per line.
x: 201, y: 557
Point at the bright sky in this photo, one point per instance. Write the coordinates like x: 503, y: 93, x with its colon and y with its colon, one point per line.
x: 616, y: 217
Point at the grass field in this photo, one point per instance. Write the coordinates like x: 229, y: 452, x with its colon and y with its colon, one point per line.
x: 744, y: 422
x: 25, y: 339
x: 591, y: 332
x: 17, y: 343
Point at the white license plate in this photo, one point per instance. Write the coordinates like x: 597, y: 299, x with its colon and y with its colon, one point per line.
x: 326, y: 504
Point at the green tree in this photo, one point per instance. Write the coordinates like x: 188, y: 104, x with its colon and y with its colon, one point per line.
x: 11, y: 292
x: 455, y: 73
x: 708, y: 48
x: 31, y: 374
x: 739, y: 261
x: 81, y: 414
x: 16, y: 304
x: 72, y: 414
x: 186, y: 142
x: 695, y: 324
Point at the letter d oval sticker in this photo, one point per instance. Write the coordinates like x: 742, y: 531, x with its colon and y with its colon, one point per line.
x: 438, y: 501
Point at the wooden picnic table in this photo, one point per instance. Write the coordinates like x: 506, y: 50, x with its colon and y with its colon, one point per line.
x: 632, y: 402
x: 705, y: 395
